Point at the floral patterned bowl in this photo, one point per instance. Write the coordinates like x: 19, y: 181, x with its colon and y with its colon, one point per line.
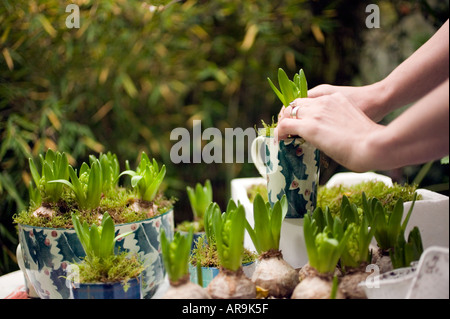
x: 47, y: 253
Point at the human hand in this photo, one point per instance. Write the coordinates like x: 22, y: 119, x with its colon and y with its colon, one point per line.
x: 333, y: 124
x: 370, y: 99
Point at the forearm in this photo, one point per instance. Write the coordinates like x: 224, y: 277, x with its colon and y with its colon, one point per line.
x: 417, y: 75
x: 418, y: 135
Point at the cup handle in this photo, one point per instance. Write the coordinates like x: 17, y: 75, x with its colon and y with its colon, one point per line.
x: 256, y: 156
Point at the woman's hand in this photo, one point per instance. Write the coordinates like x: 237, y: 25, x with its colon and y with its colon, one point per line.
x: 341, y: 130
x: 371, y: 99
x: 332, y: 123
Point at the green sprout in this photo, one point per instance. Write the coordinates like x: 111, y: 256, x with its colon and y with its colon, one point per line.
x: 110, y: 170
x: 357, y: 247
x: 200, y: 198
x: 212, y: 210
x: 229, y: 229
x: 87, y: 187
x: 97, y: 241
x: 388, y: 224
x: 405, y: 252
x: 35, y: 196
x: 176, y: 254
x: 325, y: 240
x: 290, y: 90
x: 267, y: 230
x: 147, y: 178
x: 53, y: 166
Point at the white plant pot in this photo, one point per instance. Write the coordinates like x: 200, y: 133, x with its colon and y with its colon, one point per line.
x: 430, y: 214
x: 292, y: 243
x: 426, y: 279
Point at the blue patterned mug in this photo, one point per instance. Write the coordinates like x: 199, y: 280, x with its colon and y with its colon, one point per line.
x: 291, y: 167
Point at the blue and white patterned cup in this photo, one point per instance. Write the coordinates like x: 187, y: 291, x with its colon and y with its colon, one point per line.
x: 291, y: 167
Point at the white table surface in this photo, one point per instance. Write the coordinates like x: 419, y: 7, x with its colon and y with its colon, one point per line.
x: 11, y: 282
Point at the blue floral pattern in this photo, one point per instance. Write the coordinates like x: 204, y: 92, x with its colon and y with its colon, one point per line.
x: 47, y: 252
x: 294, y: 173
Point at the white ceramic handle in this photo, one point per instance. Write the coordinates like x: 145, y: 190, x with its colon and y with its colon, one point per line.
x: 256, y: 155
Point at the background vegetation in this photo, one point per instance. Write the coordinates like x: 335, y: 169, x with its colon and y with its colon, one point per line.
x: 135, y: 70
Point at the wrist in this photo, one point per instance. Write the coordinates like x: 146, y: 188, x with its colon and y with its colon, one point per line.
x: 375, y: 150
x: 377, y: 100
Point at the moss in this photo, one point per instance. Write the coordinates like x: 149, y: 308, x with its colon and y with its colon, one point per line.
x: 116, y: 203
x: 208, y: 257
x: 257, y: 189
x: 198, y: 226
x: 120, y: 267
x: 387, y: 195
x: 332, y: 196
x: 267, y: 129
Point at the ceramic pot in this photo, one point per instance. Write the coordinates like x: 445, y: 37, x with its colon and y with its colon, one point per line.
x: 47, y: 253
x: 208, y: 273
x: 195, y: 238
x: 291, y: 167
x: 114, y: 290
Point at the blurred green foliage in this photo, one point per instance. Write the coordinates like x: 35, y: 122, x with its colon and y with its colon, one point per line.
x: 135, y: 70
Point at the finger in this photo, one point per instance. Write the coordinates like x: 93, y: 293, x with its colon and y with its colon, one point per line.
x: 284, y: 113
x: 323, y: 89
x: 288, y: 127
x: 281, y: 113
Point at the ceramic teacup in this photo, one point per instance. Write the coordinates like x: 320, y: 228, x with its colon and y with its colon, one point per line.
x: 291, y: 167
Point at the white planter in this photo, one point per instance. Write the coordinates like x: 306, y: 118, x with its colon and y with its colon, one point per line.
x: 430, y: 214
x: 427, y: 279
x: 292, y: 243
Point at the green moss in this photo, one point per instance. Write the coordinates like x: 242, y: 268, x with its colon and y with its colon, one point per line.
x: 267, y: 129
x: 332, y: 196
x: 197, y: 225
x: 387, y: 195
x: 115, y: 202
x: 120, y: 267
x: 208, y: 257
x: 257, y: 189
